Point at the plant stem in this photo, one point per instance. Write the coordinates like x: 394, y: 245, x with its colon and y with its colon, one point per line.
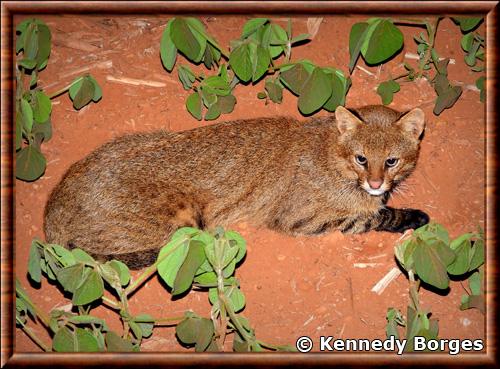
x: 111, y: 303
x: 414, y: 285
x: 149, y: 271
x: 401, y: 76
x: 168, y: 321
x: 64, y: 89
x: 431, y: 29
x: 35, y: 338
x: 235, y: 320
x: 410, y: 22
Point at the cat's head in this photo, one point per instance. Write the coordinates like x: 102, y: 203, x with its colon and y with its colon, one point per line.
x: 378, y: 146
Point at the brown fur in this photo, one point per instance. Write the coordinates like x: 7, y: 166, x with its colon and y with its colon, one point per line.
x: 126, y: 198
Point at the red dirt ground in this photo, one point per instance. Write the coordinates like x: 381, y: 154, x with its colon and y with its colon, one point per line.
x: 294, y: 286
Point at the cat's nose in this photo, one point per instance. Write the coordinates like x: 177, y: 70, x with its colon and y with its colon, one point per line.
x: 375, y: 183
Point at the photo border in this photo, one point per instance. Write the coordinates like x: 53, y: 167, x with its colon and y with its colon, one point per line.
x: 10, y: 358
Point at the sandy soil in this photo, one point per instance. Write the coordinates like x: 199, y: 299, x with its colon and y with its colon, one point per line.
x: 294, y: 286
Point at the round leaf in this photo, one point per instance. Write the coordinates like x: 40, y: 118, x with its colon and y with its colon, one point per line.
x: 240, y: 61
x: 316, y: 91
x: 168, y: 51
x: 90, y: 290
x: 194, y: 105
x: 30, y: 163
x: 383, y: 40
x: 356, y: 39
x: 41, y: 107
x: 190, y: 43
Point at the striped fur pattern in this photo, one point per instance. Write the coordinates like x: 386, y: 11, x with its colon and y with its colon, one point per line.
x: 125, y: 199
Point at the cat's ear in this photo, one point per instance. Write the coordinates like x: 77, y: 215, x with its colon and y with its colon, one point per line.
x: 413, y: 122
x: 346, y: 120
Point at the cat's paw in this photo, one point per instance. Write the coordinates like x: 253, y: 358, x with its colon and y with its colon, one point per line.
x: 415, y: 219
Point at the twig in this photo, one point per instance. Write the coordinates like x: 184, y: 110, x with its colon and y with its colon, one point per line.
x: 366, y: 265
x: 313, y: 25
x: 413, y: 56
x: 135, y: 82
x: 106, y: 64
x: 381, y: 285
x: 365, y: 70
x: 35, y: 338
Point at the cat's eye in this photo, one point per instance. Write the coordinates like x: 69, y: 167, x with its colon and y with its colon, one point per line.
x: 391, y: 162
x: 360, y: 159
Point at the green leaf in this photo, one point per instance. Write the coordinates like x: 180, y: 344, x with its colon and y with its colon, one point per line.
x: 65, y: 256
x: 477, y: 255
x: 97, y: 89
x: 473, y: 301
x: 86, y: 319
x: 27, y: 115
x: 236, y: 298
x: 340, y: 86
x: 43, y: 130
x: 252, y: 26
x: 240, y: 61
x: 386, y: 91
x: 30, y: 163
x: 226, y: 103
x: 216, y: 85
x: 205, y: 334
x: 71, y: 277
x: 42, y: 107
x: 236, y: 238
x: 63, y: 341
x: 31, y: 41
x: 462, y: 247
x: 168, y: 51
x: 429, y: 266
x: 208, y: 98
x: 34, y: 269
x: 186, y: 76
x: 480, y: 83
x: 207, y: 279
x: 27, y: 64
x: 295, y: 78
x: 274, y: 90
x: 146, y: 323
x: 447, y: 99
x: 168, y: 267
x: 315, y: 93
x: 187, y: 330
x: 187, y: 41
x: 383, y: 40
x: 475, y: 283
x: 467, y: 24
x: 19, y: 131
x: 278, y: 37
x: 301, y: 37
x: 114, y: 343
x: 194, y: 258
x: 356, y: 40
x: 90, y: 290
x: 466, y: 41
x: 194, y: 105
x: 84, y: 95
x: 261, y: 60
x: 44, y: 38
x: 213, y: 112
x: 122, y: 270
x: 82, y: 256
x: 239, y: 344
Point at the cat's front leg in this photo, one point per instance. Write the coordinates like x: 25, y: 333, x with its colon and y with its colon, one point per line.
x: 399, y: 220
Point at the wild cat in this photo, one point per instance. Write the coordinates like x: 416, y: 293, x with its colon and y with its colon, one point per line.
x: 126, y: 198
